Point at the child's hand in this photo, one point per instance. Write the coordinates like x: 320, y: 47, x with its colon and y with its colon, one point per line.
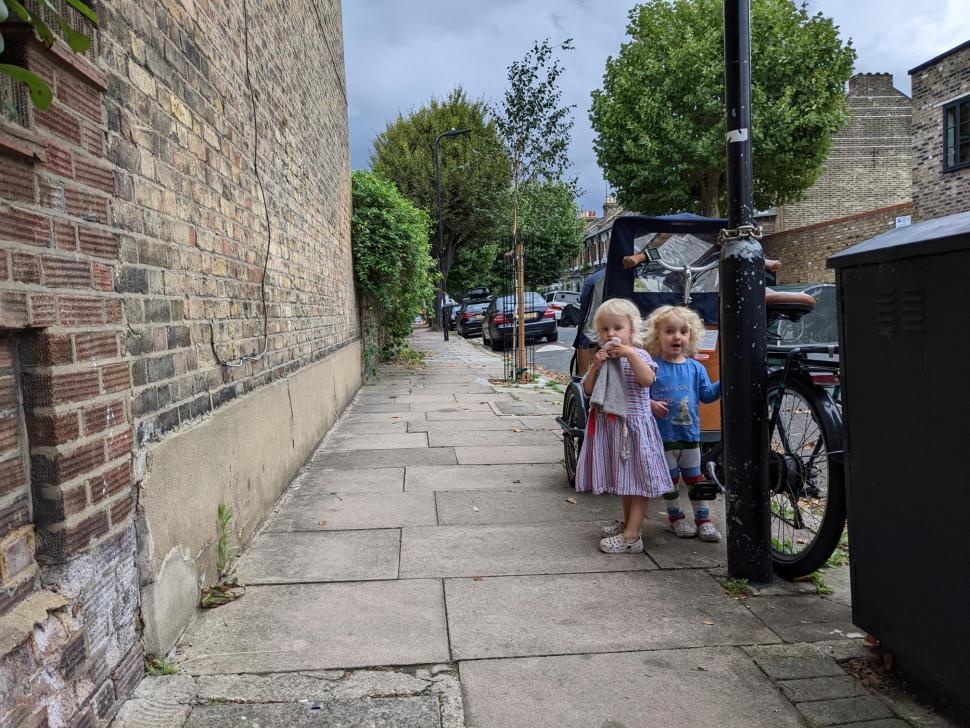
x: 601, y: 356
x: 618, y: 350
x: 660, y: 410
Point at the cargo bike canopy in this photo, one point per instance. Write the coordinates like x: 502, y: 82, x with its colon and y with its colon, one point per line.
x: 682, y: 240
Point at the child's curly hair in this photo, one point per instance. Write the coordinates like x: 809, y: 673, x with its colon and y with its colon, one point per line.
x: 619, y: 307
x: 656, y: 320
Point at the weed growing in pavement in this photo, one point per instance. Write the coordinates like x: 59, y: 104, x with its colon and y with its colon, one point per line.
x: 410, y: 358
x: 839, y: 557
x: 820, y: 585
x: 155, y: 666
x: 225, y: 590
x: 737, y: 588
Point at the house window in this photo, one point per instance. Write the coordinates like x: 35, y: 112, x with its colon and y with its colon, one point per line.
x: 956, y: 134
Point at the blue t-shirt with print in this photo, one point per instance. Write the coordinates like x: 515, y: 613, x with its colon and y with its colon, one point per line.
x: 681, y: 386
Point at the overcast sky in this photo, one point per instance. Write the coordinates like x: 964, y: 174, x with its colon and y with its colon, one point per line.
x: 400, y: 53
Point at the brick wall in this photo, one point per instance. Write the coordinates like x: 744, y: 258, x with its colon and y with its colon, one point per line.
x: 18, y: 570
x: 870, y: 162
x: 937, y: 193
x: 803, y: 251
x: 130, y: 217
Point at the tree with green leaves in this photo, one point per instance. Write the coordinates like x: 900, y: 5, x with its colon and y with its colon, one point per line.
x: 549, y: 229
x: 392, y: 264
x: 474, y: 180
x: 536, y: 128
x: 659, y: 118
x: 35, y: 15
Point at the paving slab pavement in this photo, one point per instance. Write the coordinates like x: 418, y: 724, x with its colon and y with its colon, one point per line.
x: 509, y: 454
x: 319, y: 626
x: 420, y: 712
x: 514, y: 437
x: 400, y: 457
x: 407, y: 552
x: 532, y: 506
x: 331, y: 480
x: 309, y: 509
x: 805, y: 618
x: 477, y: 477
x: 492, y: 424
x: 324, y: 556
x: 585, y: 613
x: 375, y: 441
x: 503, y: 550
x: 715, y: 686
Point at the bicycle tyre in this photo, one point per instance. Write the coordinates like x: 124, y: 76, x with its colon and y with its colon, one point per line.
x: 572, y: 415
x: 793, y: 473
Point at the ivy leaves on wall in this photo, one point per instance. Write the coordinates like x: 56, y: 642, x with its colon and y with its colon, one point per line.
x: 13, y: 13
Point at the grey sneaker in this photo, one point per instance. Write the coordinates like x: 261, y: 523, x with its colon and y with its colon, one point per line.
x: 707, y: 532
x: 618, y: 545
x: 612, y: 529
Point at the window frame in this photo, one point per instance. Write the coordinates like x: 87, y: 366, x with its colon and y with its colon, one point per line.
x: 955, y: 105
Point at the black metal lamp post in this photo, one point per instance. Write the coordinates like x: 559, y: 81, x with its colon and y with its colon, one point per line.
x: 743, y: 335
x: 440, y: 294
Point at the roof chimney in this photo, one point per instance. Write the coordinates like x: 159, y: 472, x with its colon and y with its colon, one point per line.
x: 610, y: 205
x: 871, y: 84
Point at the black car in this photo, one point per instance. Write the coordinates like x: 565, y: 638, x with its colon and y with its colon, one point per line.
x: 476, y: 294
x: 470, y: 316
x: 498, y: 326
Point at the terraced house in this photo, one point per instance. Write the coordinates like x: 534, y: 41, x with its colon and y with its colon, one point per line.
x: 191, y: 175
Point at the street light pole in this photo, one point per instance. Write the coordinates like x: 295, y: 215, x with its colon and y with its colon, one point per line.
x: 743, y: 325
x: 440, y: 293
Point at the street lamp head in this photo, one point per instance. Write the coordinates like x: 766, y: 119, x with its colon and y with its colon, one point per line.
x: 456, y: 132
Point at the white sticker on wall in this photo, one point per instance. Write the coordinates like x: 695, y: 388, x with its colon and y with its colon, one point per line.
x: 708, y: 340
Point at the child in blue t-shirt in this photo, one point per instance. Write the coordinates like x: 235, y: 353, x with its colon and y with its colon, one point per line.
x: 673, y: 333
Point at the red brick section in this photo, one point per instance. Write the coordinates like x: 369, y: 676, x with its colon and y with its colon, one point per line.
x: 17, y: 566
x: 60, y: 258
x: 803, y: 251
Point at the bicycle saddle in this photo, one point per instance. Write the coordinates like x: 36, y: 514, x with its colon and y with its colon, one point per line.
x: 789, y: 304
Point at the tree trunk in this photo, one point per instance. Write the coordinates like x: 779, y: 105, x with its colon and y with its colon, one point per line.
x: 710, y: 193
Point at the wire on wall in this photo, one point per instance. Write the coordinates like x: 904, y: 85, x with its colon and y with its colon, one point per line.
x: 269, y: 238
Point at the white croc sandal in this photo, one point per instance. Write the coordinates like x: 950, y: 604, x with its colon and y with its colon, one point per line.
x: 618, y: 545
x: 612, y: 529
x: 683, y: 528
x: 707, y: 532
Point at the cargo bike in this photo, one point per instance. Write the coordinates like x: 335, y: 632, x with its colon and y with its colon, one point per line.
x: 655, y: 261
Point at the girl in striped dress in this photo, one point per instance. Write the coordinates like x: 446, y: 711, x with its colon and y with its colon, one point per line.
x: 622, y: 452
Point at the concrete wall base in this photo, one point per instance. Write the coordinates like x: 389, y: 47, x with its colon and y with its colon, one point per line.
x: 243, y: 455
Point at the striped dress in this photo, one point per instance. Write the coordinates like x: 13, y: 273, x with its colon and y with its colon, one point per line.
x: 601, y: 469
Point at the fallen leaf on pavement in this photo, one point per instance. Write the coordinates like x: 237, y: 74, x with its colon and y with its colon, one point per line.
x: 708, y: 621
x: 516, y: 429
x: 323, y: 524
x: 476, y: 578
x: 570, y: 499
x: 516, y: 481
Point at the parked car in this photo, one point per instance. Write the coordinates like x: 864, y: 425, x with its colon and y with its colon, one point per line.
x: 470, y: 315
x: 445, y: 303
x: 500, y: 317
x: 476, y: 294
x: 558, y: 300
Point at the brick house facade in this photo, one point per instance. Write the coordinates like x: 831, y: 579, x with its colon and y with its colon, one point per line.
x: 870, y: 162
x: 131, y: 224
x: 941, y: 134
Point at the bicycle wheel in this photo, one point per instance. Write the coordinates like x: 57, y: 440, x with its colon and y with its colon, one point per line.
x: 572, y: 415
x: 806, y: 475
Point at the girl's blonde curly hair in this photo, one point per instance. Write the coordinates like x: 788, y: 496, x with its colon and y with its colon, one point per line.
x: 655, y: 322
x: 619, y: 307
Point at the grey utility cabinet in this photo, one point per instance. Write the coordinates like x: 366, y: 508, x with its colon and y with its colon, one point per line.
x: 904, y: 332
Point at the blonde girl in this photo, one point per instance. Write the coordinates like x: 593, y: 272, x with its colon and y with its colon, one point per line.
x: 622, y: 452
x: 673, y: 333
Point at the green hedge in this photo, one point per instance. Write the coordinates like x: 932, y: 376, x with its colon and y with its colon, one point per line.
x: 392, y: 261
